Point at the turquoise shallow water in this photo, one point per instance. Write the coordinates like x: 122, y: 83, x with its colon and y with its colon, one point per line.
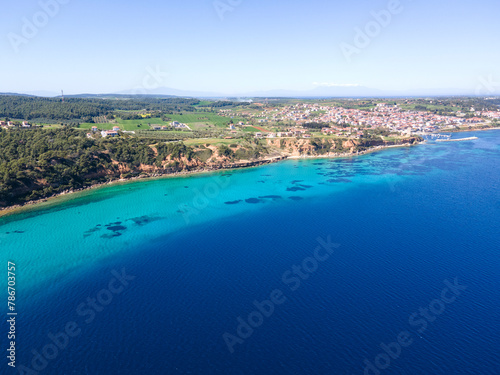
x: 55, y: 241
x: 204, y: 247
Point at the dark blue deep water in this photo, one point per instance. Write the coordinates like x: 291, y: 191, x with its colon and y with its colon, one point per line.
x: 402, y: 220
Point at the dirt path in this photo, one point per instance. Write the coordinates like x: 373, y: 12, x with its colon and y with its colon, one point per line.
x: 261, y: 129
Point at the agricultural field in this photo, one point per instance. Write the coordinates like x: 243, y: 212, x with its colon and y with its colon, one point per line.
x: 126, y: 124
x: 212, y: 141
x: 430, y: 107
x: 51, y: 126
x: 203, y: 119
x: 250, y: 129
x: 203, y: 103
x: 195, y: 120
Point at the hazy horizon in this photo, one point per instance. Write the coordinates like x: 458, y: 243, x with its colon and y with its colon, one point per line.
x: 318, y: 92
x: 234, y: 47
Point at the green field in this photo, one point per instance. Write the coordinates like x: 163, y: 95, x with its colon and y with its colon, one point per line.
x: 51, y: 126
x: 195, y: 120
x: 126, y: 124
x: 203, y: 103
x: 251, y: 129
x: 203, y: 118
x: 212, y: 141
x: 430, y: 107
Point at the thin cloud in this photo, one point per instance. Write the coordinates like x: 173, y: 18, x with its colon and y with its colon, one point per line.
x: 329, y: 84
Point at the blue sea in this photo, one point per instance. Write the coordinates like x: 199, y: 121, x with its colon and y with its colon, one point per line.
x: 386, y: 263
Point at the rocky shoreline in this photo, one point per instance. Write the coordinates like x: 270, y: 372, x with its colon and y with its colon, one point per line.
x: 349, y: 154
x: 226, y: 166
x: 207, y: 169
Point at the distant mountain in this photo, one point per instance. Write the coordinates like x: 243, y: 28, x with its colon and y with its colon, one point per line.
x: 13, y: 94
x: 361, y: 91
x: 167, y: 91
x: 118, y: 96
x: 31, y: 93
x: 355, y: 91
x: 439, y: 92
x: 44, y: 93
x: 317, y: 92
x: 321, y: 91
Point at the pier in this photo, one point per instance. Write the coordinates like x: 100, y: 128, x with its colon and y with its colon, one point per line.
x: 456, y: 140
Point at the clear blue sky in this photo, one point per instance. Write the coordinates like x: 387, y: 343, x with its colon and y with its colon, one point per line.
x: 107, y: 46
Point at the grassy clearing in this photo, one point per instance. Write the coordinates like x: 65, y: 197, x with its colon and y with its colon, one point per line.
x: 251, y: 129
x: 203, y: 118
x: 391, y: 139
x: 430, y: 107
x: 51, y: 126
x: 203, y: 103
x: 126, y: 124
x: 212, y: 141
x: 195, y: 120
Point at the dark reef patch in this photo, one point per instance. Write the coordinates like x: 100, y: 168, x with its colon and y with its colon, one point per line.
x: 115, y: 223
x: 109, y: 236
x: 143, y: 220
x: 117, y: 231
x: 253, y: 200
x: 16, y: 231
x: 273, y: 197
x: 117, y: 228
x: 342, y: 180
x: 91, y: 230
x: 233, y: 202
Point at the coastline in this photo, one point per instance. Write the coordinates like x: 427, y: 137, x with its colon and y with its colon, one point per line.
x: 466, y: 130
x: 73, y: 194
x: 346, y: 155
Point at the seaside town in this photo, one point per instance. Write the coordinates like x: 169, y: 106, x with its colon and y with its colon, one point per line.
x: 293, y: 118
x: 343, y: 122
